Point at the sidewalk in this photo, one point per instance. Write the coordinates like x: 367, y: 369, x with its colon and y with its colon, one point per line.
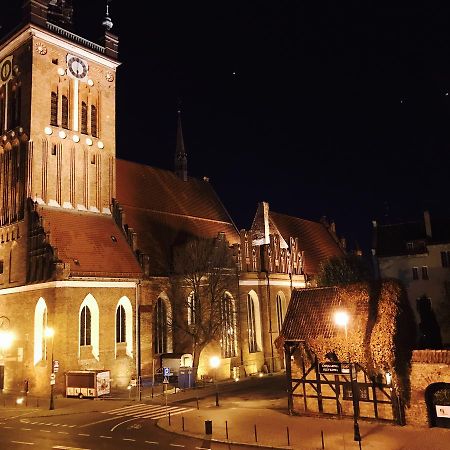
x: 270, y: 428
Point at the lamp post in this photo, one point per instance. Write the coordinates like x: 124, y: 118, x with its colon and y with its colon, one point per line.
x: 49, y: 333
x: 214, y: 362
x: 341, y: 318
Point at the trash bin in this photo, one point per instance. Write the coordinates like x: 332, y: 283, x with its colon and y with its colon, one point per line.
x: 208, y: 426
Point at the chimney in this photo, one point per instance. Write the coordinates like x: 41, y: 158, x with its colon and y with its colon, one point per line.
x: 427, y: 220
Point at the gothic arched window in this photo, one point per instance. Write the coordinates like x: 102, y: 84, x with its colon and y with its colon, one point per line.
x: 94, y: 121
x: 65, y: 112
x: 160, y: 327
x: 254, y: 323
x: 228, y: 340
x: 84, y: 117
x: 85, y: 326
x: 192, y: 309
x: 280, y: 310
x: 121, y: 324
x: 54, y: 110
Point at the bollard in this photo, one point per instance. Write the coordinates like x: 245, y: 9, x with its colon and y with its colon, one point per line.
x: 256, y: 434
x: 288, y: 437
x: 208, y: 426
x: 226, y: 428
x: 197, y: 403
x: 323, y: 443
x: 169, y: 419
x: 182, y: 422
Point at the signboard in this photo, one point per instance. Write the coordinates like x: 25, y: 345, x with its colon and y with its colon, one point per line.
x: 165, y: 381
x: 133, y: 382
x: 336, y: 368
x: 166, y: 371
x: 55, y: 366
x: 6, y: 70
x: 103, y: 383
x: 443, y: 411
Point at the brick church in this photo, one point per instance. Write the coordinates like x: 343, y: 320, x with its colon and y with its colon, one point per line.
x: 85, y: 237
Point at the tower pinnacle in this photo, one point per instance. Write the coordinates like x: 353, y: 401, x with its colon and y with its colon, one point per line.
x: 180, y: 152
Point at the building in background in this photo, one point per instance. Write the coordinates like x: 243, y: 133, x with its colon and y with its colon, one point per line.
x: 86, y: 239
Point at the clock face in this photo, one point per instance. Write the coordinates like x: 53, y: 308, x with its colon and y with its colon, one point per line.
x: 77, y: 67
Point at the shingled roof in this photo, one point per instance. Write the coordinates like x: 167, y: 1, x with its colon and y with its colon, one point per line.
x: 164, y: 210
x: 91, y: 243
x: 310, y: 314
x: 315, y: 240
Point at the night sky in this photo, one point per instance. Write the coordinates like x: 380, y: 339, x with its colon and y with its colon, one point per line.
x: 318, y: 108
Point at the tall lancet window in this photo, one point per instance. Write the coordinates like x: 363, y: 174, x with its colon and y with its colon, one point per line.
x: 121, y: 324
x: 160, y: 327
x: 94, y: 132
x: 54, y: 110
x: 84, y: 117
x: 65, y: 112
x: 2, y: 108
x: 85, y: 326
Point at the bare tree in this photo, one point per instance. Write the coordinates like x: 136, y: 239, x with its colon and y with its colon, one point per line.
x: 204, y: 270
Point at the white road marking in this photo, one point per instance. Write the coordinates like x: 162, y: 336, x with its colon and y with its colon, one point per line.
x: 83, y: 434
x: 24, y: 443
x: 121, y: 423
x: 152, y: 442
x: 128, y: 439
x: 45, y: 431
x: 176, y: 445
x: 26, y: 429
x: 69, y: 448
x: 63, y: 432
x: 202, y: 448
x: 8, y: 427
x: 106, y: 437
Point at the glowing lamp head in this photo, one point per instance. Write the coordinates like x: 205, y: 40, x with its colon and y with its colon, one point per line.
x: 6, y: 339
x: 341, y: 318
x: 214, y: 362
x: 49, y: 332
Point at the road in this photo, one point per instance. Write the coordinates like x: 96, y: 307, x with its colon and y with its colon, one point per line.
x: 113, y: 425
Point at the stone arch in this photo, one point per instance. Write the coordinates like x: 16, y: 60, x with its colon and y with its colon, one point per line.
x: 40, y: 324
x: 254, y: 324
x: 438, y: 394
x: 125, y: 302
x: 91, y: 303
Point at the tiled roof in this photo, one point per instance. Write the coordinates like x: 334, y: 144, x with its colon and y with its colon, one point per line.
x: 393, y: 239
x: 164, y: 210
x: 310, y: 314
x: 91, y: 243
x: 314, y: 239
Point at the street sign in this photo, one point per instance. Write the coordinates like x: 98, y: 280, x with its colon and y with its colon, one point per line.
x: 133, y: 382
x: 330, y: 367
x: 52, y: 376
x: 52, y: 382
x: 165, y: 381
x: 55, y: 366
x: 336, y: 368
x: 166, y: 371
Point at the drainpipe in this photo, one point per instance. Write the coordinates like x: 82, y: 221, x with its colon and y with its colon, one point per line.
x: 138, y: 340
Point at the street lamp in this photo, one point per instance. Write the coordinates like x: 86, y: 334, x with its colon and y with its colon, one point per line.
x: 49, y: 333
x: 214, y: 362
x: 341, y: 318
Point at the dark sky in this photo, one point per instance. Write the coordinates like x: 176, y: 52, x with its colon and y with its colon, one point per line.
x: 318, y: 108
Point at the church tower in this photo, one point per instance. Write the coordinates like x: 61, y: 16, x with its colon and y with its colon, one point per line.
x: 57, y: 114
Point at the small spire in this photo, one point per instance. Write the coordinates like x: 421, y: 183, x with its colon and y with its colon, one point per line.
x: 180, y: 152
x: 107, y: 23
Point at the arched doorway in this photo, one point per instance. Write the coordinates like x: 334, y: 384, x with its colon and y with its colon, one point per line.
x: 437, y: 397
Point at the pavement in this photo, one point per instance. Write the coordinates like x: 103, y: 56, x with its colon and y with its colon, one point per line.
x: 258, y: 418
x: 265, y: 423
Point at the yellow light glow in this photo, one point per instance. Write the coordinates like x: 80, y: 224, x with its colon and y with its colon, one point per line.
x: 214, y: 362
x: 19, y: 400
x: 341, y: 318
x: 6, y: 339
x: 49, y: 332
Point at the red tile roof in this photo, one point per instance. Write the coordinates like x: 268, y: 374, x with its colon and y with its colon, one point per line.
x: 314, y: 239
x: 91, y: 243
x: 164, y: 210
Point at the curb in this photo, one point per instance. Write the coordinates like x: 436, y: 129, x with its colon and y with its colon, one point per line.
x: 222, y: 441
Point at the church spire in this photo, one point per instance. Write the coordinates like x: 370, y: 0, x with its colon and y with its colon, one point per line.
x: 180, y: 152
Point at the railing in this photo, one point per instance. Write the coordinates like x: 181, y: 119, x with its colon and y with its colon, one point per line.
x: 74, y: 37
